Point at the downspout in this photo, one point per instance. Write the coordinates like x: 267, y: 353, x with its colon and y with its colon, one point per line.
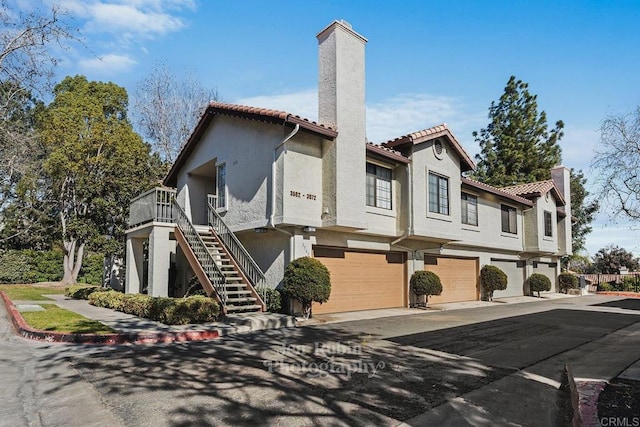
x: 273, y: 175
x: 410, y: 208
x: 272, y: 209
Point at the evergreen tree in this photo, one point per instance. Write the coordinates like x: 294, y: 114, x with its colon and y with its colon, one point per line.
x: 582, y: 209
x: 516, y: 146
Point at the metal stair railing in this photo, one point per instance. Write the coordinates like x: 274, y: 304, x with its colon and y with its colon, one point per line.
x: 205, y: 258
x: 242, y: 257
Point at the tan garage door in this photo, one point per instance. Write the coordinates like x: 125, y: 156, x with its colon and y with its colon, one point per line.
x: 459, y: 277
x: 362, y: 280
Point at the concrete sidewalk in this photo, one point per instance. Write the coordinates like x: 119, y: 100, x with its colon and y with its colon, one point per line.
x: 133, y: 329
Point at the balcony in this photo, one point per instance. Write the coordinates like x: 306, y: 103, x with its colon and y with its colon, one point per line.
x: 153, y: 206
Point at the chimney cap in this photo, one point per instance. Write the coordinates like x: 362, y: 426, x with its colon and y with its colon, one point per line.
x: 344, y: 25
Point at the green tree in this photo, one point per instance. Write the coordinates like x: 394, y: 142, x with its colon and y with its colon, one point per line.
x: 582, y: 209
x: 96, y: 163
x: 517, y: 146
x: 608, y: 260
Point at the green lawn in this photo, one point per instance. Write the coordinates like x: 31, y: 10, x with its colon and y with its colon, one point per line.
x: 57, y: 319
x: 29, y: 293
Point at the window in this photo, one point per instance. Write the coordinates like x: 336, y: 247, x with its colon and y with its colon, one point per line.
x: 221, y: 187
x: 438, y: 194
x: 469, y: 209
x: 548, y: 227
x: 509, y: 219
x: 378, y: 186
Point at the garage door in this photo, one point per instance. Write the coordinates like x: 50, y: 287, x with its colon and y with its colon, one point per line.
x: 515, y: 278
x: 459, y: 277
x: 362, y: 280
x: 549, y: 270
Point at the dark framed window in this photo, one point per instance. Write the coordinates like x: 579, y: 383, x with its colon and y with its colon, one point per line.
x: 509, y: 219
x: 378, y: 186
x: 438, y: 194
x: 469, y: 206
x: 222, y: 186
x: 548, y: 226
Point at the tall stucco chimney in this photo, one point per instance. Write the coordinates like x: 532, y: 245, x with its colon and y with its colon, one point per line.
x: 561, y: 176
x: 341, y: 103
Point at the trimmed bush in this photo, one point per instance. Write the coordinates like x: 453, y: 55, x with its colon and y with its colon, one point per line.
x: 307, y: 280
x: 14, y: 266
x: 31, y: 266
x: 605, y: 287
x: 567, y: 281
x: 92, y: 269
x: 425, y: 283
x: 539, y: 283
x: 274, y: 300
x: 170, y: 311
x: 492, y: 278
x: 82, y: 291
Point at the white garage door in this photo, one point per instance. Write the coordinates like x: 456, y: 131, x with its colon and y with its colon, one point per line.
x: 515, y: 278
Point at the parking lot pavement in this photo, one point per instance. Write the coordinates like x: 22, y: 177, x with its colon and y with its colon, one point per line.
x: 479, y: 366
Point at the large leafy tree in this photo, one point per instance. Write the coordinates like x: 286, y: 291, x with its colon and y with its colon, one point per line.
x: 617, y: 162
x: 608, y: 260
x: 167, y: 108
x: 96, y: 163
x: 517, y: 145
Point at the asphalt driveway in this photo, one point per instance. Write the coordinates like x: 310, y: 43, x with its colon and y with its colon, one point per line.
x: 487, y: 366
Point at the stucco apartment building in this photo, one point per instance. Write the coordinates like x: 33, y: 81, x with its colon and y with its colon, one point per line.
x: 255, y: 188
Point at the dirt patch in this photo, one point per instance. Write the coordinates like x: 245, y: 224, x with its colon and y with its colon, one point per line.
x: 621, y: 400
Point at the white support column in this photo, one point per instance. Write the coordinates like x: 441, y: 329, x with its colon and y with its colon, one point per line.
x: 159, y: 261
x: 135, y: 259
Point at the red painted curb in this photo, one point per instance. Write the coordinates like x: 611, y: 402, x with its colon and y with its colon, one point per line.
x: 620, y: 294
x: 23, y: 329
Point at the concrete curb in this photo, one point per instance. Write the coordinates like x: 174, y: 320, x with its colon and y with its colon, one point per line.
x: 23, y: 329
x: 620, y: 294
x: 584, y: 399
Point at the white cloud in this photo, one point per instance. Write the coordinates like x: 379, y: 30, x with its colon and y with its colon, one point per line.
x: 108, y: 64
x: 388, y: 118
x: 147, y: 18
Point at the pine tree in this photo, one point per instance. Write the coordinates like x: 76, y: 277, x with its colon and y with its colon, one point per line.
x: 516, y: 146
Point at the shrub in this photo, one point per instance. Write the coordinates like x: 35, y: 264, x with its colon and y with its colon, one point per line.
x: 274, y: 300
x: 425, y: 283
x: 539, y: 282
x: 630, y: 284
x: 14, y: 266
x: 45, y: 266
x: 92, y: 269
x: 567, y: 281
x: 307, y: 280
x: 82, y: 291
x: 109, y: 299
x: 171, y: 311
x: 492, y: 279
x: 605, y: 287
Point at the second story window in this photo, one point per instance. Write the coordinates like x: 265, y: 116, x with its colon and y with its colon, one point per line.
x: 509, y: 219
x: 438, y: 194
x: 469, y: 206
x: 548, y: 226
x: 221, y: 186
x: 378, y: 186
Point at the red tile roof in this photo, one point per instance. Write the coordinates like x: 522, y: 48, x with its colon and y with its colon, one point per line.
x: 433, y: 133
x: 387, y: 152
x: 536, y: 189
x: 497, y: 191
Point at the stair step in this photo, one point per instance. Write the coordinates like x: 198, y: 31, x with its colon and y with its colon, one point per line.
x: 241, y: 299
x: 247, y: 292
x: 254, y: 307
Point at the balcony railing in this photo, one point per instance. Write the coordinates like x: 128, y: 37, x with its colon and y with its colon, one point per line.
x: 153, y: 206
x: 239, y: 253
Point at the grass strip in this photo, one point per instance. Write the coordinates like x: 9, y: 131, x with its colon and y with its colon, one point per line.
x: 29, y: 293
x: 56, y: 319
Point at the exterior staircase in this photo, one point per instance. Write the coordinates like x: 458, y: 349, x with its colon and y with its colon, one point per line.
x: 240, y: 297
x: 223, y: 266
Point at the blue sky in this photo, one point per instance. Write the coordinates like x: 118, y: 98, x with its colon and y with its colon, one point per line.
x: 427, y: 62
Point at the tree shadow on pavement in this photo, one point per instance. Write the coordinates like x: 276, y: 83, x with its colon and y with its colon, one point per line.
x: 302, y: 376
x: 627, y: 304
